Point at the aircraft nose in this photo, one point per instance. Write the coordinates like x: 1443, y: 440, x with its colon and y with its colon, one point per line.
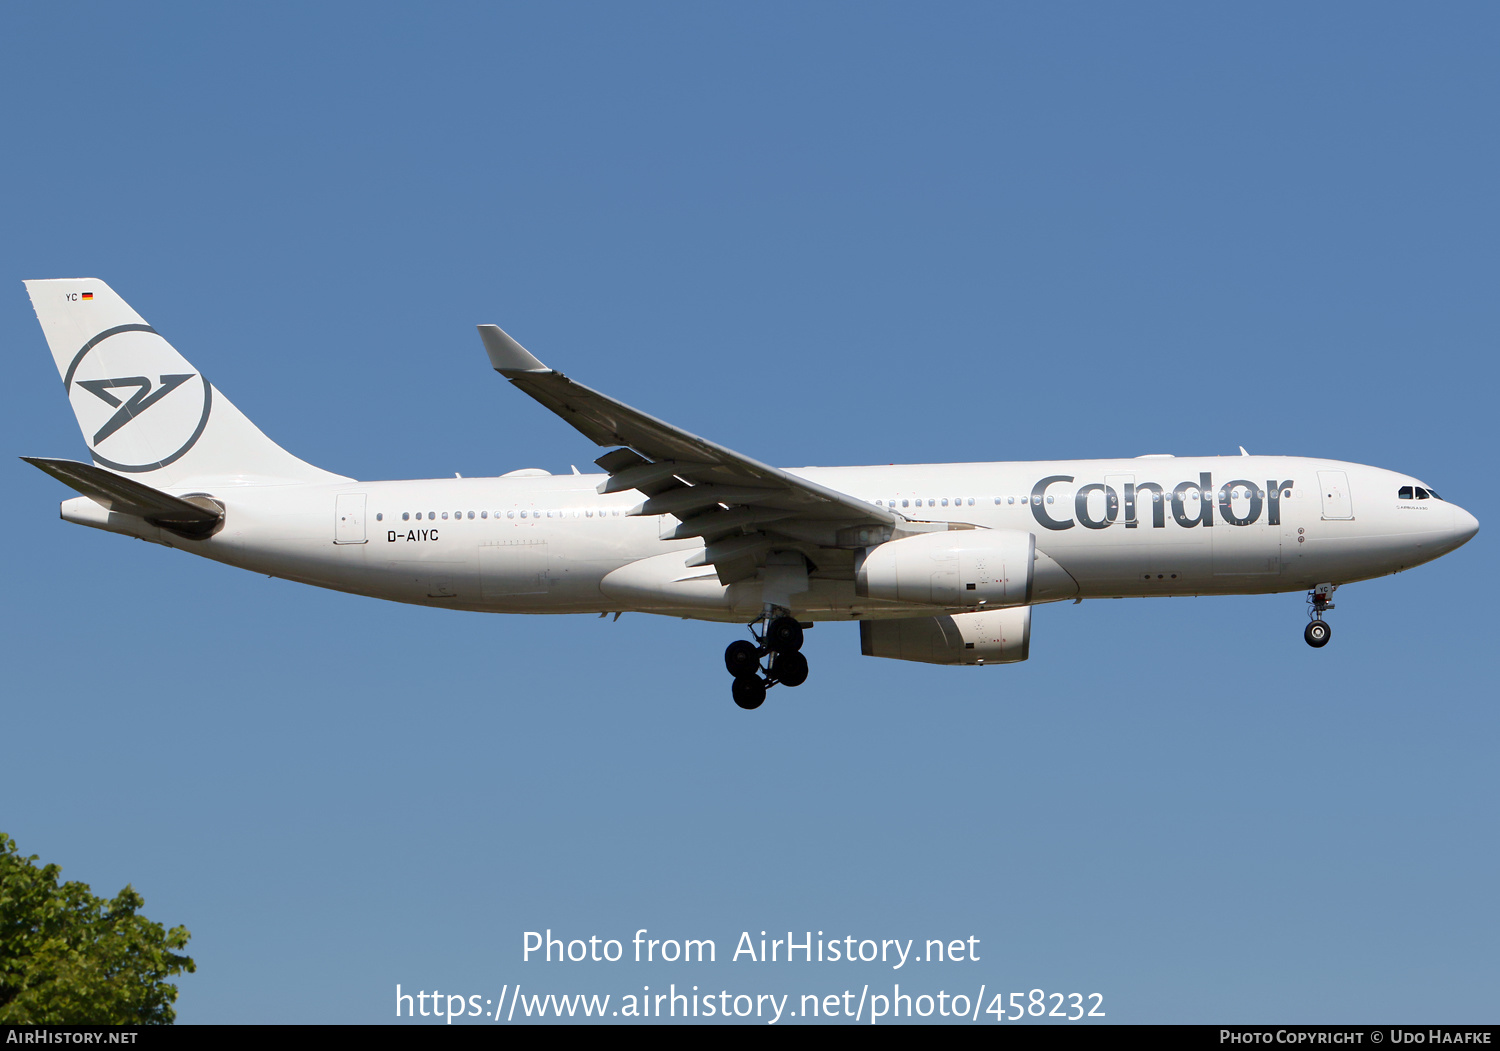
x: 1465, y: 525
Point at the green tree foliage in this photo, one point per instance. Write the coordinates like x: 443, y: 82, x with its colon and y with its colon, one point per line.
x: 67, y: 957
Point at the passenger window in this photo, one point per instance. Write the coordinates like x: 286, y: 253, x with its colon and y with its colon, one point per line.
x: 405, y: 516
x: 432, y: 516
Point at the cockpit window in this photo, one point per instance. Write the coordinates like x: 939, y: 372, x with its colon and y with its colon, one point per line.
x: 1405, y: 493
x: 1435, y: 496
x: 1421, y: 493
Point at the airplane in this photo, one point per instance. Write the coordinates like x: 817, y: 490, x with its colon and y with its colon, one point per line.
x: 938, y: 563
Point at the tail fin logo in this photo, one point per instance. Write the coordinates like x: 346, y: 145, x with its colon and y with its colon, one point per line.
x: 135, y: 423
x: 139, y: 402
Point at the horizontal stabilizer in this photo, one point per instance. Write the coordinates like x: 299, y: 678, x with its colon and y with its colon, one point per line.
x: 129, y: 497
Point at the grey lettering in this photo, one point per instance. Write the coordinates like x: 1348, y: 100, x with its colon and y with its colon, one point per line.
x: 1081, y: 505
x: 1226, y: 505
x: 1038, y: 495
x: 1273, y: 491
x: 1205, y: 488
x: 1156, y: 495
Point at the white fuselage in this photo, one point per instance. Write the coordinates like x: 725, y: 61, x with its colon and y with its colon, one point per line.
x: 553, y: 544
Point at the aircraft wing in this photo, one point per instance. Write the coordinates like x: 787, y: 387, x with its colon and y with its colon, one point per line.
x: 743, y: 509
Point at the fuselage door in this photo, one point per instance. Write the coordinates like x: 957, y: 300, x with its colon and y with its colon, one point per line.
x: 349, y: 518
x: 1337, y: 503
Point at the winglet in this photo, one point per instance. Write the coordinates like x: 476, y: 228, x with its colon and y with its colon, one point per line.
x: 506, y: 355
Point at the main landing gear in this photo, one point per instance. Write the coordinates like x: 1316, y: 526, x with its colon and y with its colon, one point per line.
x: 1318, y: 630
x: 780, y: 643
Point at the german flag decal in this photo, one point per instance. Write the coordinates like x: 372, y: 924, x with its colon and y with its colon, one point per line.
x: 88, y: 295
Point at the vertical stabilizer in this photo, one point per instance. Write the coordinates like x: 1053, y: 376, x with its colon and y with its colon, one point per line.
x: 143, y: 409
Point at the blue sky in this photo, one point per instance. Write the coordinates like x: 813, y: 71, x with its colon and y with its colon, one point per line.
x: 828, y: 234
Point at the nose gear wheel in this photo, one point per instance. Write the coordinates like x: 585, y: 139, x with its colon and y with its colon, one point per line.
x: 1319, y: 631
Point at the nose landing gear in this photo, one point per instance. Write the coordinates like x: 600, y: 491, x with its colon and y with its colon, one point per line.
x: 781, y: 642
x: 1318, y: 631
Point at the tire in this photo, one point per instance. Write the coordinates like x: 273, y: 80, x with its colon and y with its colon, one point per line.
x: 784, y: 635
x: 742, y: 658
x: 749, y: 692
x: 790, y: 669
x: 1317, y: 633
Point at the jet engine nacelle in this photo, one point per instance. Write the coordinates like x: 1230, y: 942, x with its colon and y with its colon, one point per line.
x: 966, y: 567
x: 992, y: 636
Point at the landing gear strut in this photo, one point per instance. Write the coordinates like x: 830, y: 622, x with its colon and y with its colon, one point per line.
x: 1318, y: 630
x: 780, y: 644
